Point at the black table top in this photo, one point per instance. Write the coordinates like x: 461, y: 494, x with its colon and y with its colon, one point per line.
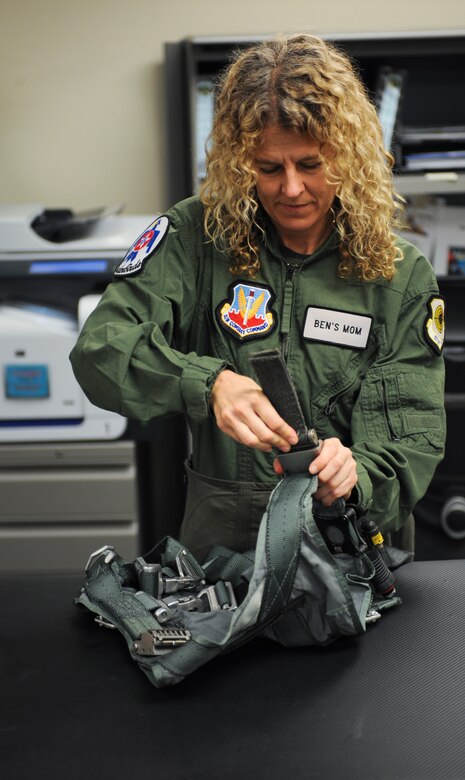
x: 388, y: 704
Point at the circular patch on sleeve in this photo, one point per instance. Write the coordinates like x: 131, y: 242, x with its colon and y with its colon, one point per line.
x: 145, y: 246
x: 434, y: 329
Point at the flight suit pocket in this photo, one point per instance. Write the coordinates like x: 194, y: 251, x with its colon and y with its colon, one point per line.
x: 222, y: 512
x: 399, y: 405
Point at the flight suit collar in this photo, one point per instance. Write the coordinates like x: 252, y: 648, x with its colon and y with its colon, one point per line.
x: 287, y: 256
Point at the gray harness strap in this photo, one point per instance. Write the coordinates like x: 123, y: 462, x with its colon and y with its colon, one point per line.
x: 286, y: 511
x: 291, y: 589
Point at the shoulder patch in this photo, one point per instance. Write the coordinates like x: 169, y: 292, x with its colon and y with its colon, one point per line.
x: 144, y: 247
x: 246, y: 314
x: 434, y: 327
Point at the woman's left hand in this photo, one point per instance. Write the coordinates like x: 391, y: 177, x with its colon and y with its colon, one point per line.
x: 336, y: 469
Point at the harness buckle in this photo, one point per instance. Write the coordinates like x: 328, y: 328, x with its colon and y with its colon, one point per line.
x: 210, y: 594
x: 372, y: 616
x: 110, y: 554
x: 104, y: 622
x: 160, y: 641
x: 188, y: 603
x: 185, y: 567
x: 173, y: 584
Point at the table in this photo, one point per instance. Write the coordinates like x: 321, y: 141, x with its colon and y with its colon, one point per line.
x: 386, y: 705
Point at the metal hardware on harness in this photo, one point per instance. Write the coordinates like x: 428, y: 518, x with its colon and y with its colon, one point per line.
x: 232, y: 597
x: 187, y: 603
x: 210, y: 594
x: 160, y: 641
x: 173, y: 584
x: 103, y: 622
x: 185, y: 567
x: 372, y: 616
x: 299, y: 457
x: 341, y: 533
x: 161, y: 581
x: 163, y: 589
x: 163, y: 614
x: 150, y: 577
x: 187, y: 576
x: 110, y: 554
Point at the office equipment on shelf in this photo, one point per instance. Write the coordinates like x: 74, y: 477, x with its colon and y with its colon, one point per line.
x: 450, y: 241
x: 414, y: 78
x: 441, y: 160
x: 389, y: 96
x: 54, y: 265
x: 422, y: 217
x: 40, y: 399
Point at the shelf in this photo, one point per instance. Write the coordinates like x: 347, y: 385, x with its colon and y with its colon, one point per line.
x: 430, y: 108
x: 437, y: 183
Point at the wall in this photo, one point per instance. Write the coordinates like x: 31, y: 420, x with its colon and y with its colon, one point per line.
x: 81, y: 84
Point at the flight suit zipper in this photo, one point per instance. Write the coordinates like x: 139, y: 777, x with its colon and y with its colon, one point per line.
x: 286, y: 310
x: 350, y: 384
x: 334, y: 399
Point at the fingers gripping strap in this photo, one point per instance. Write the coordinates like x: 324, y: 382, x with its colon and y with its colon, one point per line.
x: 289, y: 506
x: 278, y: 386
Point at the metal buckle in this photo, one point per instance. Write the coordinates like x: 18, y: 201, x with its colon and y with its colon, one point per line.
x: 211, y: 596
x: 150, y: 577
x: 160, y: 641
x: 110, y: 554
x: 232, y: 597
x: 185, y: 568
x: 104, y: 622
x: 187, y: 603
x: 173, y: 584
x: 372, y: 616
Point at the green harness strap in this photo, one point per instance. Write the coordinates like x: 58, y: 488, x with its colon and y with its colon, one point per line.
x: 288, y: 508
x: 290, y: 588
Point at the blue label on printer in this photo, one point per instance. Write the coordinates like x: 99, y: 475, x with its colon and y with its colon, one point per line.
x: 26, y: 381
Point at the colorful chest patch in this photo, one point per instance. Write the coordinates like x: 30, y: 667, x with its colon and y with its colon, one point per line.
x: 435, y: 324
x: 247, y: 313
x: 144, y: 247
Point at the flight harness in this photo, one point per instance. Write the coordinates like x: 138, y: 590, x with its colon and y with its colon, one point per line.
x: 316, y: 573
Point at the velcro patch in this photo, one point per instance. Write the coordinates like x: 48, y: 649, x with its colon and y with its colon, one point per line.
x: 247, y: 314
x: 144, y: 247
x: 332, y: 326
x: 434, y: 328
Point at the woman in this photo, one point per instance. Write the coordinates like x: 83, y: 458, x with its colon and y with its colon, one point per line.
x: 291, y: 246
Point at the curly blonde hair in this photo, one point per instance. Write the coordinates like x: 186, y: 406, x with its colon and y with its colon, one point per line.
x: 303, y: 83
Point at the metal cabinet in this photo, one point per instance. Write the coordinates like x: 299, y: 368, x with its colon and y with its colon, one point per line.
x: 59, y: 502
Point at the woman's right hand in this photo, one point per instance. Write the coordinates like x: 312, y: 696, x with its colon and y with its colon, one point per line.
x: 243, y: 412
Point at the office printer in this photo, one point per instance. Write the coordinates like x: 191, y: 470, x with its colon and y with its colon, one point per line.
x: 54, y: 265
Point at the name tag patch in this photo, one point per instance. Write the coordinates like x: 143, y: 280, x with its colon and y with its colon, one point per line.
x: 337, y: 327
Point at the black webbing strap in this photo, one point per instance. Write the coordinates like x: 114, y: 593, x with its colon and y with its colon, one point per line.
x: 276, y: 382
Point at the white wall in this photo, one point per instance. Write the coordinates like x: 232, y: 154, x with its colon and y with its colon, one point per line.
x: 81, y: 84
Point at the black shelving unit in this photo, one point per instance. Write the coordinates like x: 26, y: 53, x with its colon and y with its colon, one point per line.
x: 432, y: 66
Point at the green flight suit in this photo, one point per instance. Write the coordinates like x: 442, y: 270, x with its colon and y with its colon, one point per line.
x: 159, y: 336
